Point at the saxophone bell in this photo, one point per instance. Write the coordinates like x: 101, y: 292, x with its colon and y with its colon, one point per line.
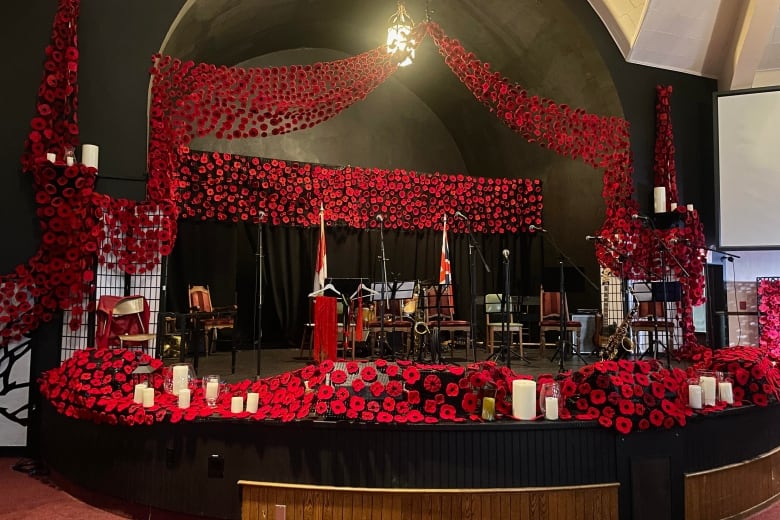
x: 421, y: 328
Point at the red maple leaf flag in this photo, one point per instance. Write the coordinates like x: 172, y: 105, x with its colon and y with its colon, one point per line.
x: 445, y: 272
x: 321, y: 268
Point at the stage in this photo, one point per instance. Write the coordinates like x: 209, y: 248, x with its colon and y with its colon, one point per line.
x: 558, y: 469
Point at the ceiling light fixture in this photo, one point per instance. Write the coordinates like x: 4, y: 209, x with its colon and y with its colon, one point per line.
x: 399, y: 41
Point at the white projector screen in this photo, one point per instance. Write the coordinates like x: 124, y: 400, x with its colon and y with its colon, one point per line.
x: 748, y: 161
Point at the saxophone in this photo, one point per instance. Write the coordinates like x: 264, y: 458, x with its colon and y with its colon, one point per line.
x: 619, y: 343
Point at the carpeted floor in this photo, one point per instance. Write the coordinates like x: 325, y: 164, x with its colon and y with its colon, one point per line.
x: 28, y: 492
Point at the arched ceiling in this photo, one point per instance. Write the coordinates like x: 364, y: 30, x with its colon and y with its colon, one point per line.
x: 539, y: 44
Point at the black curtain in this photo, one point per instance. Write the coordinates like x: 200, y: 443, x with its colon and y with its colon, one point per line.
x: 223, y: 256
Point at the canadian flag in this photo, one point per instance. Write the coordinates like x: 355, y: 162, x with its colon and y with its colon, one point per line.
x: 321, y: 269
x: 445, y: 272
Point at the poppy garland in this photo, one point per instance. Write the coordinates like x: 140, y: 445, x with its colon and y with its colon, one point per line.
x: 627, y: 396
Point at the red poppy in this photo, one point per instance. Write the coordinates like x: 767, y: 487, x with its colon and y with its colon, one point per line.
x: 432, y: 383
x: 623, y: 425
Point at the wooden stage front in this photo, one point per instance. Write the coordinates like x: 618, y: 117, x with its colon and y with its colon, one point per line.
x: 551, y: 469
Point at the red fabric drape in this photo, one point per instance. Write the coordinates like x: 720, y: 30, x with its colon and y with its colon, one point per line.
x: 325, y: 328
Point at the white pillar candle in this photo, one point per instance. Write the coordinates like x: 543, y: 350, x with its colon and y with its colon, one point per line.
x: 138, y: 395
x: 70, y: 161
x: 672, y: 206
x: 181, y: 374
x: 89, y: 155
x: 51, y: 157
x: 689, y: 207
x: 524, y: 399
x: 184, y: 398
x: 252, y: 398
x: 708, y: 387
x: 694, y: 396
x: 148, y: 400
x: 725, y: 392
x: 551, y: 408
x: 212, y: 390
x: 659, y: 199
x: 237, y: 404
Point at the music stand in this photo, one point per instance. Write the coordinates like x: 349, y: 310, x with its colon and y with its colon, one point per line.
x: 383, y: 294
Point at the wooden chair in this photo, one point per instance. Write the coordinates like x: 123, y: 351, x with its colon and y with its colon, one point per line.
x: 441, y: 314
x: 648, y: 319
x: 211, y: 319
x: 494, y: 322
x: 550, y: 316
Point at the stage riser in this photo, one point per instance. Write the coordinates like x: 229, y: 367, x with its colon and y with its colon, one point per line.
x: 167, y: 465
x: 732, y: 490
x: 588, y: 503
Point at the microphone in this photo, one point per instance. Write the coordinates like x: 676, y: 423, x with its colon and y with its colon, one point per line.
x: 506, y: 254
x: 380, y: 217
x: 591, y: 237
x: 537, y: 228
x: 679, y: 240
x: 460, y: 215
x: 640, y: 217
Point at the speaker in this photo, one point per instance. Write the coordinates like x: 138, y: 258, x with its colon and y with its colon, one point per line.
x: 716, y: 306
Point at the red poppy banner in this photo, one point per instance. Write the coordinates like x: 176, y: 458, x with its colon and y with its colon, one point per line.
x: 220, y: 186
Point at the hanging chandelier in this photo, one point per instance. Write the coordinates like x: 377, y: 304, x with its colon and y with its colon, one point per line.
x: 399, y: 41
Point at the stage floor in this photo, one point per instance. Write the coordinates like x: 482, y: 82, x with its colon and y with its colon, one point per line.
x: 276, y: 360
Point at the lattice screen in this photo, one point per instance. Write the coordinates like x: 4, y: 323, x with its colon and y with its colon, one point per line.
x: 110, y: 280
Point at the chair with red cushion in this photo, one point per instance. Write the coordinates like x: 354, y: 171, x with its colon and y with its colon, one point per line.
x: 550, y: 319
x: 122, y: 321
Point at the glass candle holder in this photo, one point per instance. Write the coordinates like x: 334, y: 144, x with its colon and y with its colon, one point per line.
x: 211, y: 389
x: 550, y: 400
x: 725, y: 388
x: 178, y: 377
x: 708, y: 381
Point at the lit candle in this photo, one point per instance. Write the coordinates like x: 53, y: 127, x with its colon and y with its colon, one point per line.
x: 181, y: 375
x: 551, y: 408
x: 51, y: 157
x: 184, y: 398
x: 138, y: 395
x: 524, y: 399
x: 659, y: 199
x: 672, y: 206
x: 148, y: 399
x: 689, y: 207
x: 212, y: 390
x: 252, y: 398
x: 237, y: 404
x: 708, y: 387
x: 694, y: 396
x: 488, y: 408
x: 725, y: 392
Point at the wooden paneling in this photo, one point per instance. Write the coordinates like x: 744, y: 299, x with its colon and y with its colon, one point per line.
x: 259, y: 499
x: 731, y: 490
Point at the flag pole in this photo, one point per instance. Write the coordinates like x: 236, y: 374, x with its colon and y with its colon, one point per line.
x: 258, y: 290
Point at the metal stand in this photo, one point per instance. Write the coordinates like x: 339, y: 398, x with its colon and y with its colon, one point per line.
x: 505, y: 352
x: 258, y: 296
x: 473, y: 246
x: 560, y: 350
x: 381, y: 342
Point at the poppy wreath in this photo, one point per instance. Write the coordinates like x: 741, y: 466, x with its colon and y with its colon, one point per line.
x: 769, y: 315
x: 625, y: 395
x: 226, y: 187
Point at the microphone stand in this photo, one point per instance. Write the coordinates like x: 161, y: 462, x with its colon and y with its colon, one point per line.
x: 382, y: 344
x: 258, y: 296
x: 663, y: 250
x: 473, y: 245
x: 560, y: 351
